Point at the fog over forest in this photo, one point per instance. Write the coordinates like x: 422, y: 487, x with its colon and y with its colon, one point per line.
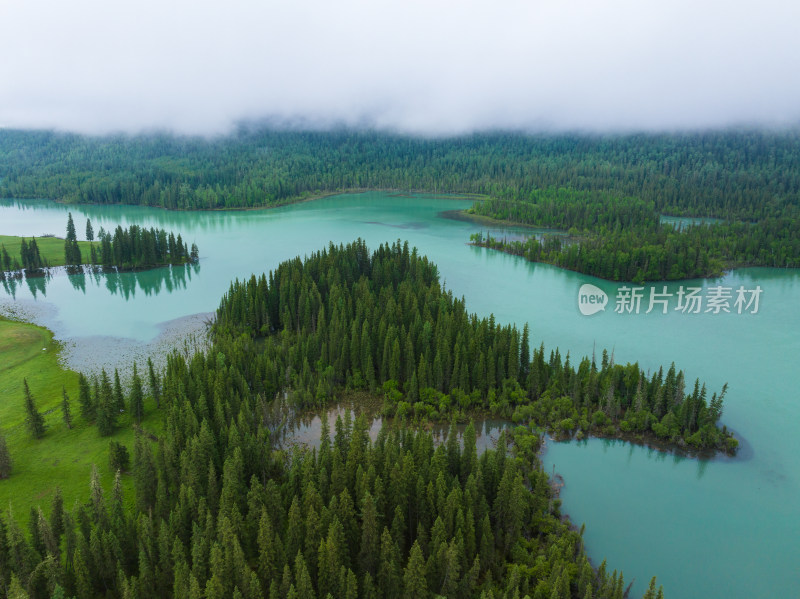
x: 431, y: 67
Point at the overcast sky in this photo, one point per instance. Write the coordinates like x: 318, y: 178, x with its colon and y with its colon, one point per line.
x: 427, y: 66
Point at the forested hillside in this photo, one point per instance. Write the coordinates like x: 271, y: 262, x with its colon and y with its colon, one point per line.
x: 218, y: 513
x: 746, y: 175
x: 610, y: 190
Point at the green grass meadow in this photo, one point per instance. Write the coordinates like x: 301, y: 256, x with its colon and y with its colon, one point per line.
x: 63, y: 457
x: 51, y: 249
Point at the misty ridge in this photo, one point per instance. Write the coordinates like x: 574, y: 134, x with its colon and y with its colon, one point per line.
x: 423, y: 68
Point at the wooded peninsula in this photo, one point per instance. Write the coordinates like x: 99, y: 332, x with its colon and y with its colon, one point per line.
x: 218, y: 510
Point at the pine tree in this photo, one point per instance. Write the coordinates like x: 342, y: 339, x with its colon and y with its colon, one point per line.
x: 57, y: 513
x: 389, y: 580
x: 370, y: 540
x: 414, y: 583
x: 119, y: 397
x: 16, y: 590
x: 305, y: 588
x: 155, y: 388
x: 65, y: 409
x: 106, y: 409
x: 524, y: 356
x: 85, y: 399
x: 89, y: 230
x: 5, y: 458
x: 72, y: 253
x: 136, y: 398
x: 48, y: 538
x: 33, y: 419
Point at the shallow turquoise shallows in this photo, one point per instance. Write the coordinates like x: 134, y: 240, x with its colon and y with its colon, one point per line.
x: 720, y: 528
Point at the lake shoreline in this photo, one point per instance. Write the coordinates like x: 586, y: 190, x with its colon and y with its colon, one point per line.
x: 392, y: 192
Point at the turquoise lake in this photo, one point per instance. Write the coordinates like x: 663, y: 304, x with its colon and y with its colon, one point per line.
x: 715, y: 528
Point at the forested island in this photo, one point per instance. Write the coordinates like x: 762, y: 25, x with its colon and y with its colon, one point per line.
x: 219, y: 511
x: 134, y: 248
x: 750, y: 180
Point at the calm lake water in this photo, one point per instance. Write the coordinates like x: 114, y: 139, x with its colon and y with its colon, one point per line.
x: 720, y: 528
x: 306, y: 430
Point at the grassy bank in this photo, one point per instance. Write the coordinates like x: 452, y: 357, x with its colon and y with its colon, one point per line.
x: 63, y: 457
x: 51, y: 249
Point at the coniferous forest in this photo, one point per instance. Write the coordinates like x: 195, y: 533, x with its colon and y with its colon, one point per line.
x: 749, y: 180
x: 624, y: 240
x: 220, y: 510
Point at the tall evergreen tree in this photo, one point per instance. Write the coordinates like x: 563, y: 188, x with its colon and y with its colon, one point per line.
x: 106, y: 407
x: 88, y: 402
x: 524, y: 355
x: 57, y: 513
x: 33, y: 419
x: 5, y: 461
x: 119, y: 396
x: 414, y: 583
x: 155, y: 387
x: 72, y: 253
x: 136, y: 398
x: 66, y: 412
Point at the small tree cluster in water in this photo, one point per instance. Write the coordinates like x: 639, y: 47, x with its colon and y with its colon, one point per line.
x: 138, y: 247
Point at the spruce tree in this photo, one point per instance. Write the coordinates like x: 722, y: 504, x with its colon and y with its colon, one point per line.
x: 72, y: 253
x: 5, y: 458
x: 87, y: 402
x: 106, y: 409
x: 414, y: 583
x: 65, y: 409
x: 524, y: 356
x: 136, y: 398
x: 57, y: 513
x: 119, y: 397
x: 155, y: 388
x: 33, y: 419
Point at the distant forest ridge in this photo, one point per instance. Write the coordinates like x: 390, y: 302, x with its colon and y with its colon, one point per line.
x: 739, y: 175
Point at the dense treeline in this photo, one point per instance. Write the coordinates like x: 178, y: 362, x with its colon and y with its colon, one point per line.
x: 390, y: 519
x: 618, y: 185
x: 138, y: 247
x: 624, y: 240
x: 744, y: 175
x: 134, y: 247
x: 217, y: 512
